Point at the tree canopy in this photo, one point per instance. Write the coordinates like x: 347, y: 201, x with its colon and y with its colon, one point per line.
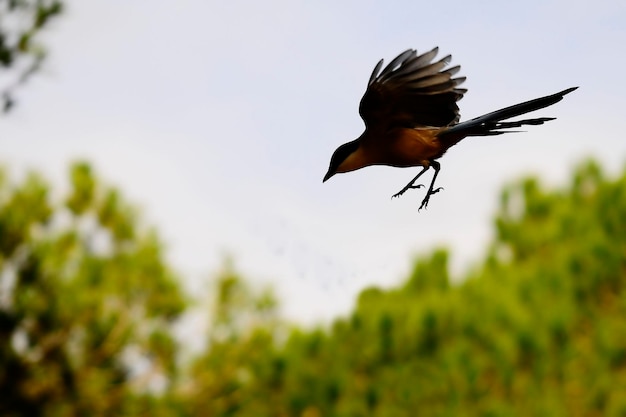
x: 21, y: 54
x: 537, y: 328
x: 86, y: 301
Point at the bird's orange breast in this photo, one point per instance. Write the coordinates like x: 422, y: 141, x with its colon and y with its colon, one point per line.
x: 402, y: 147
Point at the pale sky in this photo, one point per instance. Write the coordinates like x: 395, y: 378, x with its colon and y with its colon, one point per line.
x: 218, y: 120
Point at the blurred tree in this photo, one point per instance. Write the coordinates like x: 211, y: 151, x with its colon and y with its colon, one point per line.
x: 21, y: 55
x: 242, y: 341
x: 538, y: 329
x: 86, y: 303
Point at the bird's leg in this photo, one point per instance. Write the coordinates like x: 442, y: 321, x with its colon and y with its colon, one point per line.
x: 436, y: 166
x: 410, y: 184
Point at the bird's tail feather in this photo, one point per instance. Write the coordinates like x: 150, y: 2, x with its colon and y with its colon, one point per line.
x: 491, y: 123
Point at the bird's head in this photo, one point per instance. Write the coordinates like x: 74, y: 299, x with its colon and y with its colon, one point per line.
x: 342, y: 158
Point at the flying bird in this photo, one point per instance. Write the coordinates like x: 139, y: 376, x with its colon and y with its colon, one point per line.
x: 412, y: 118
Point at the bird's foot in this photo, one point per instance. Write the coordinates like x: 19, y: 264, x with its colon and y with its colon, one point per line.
x: 427, y: 198
x: 408, y: 187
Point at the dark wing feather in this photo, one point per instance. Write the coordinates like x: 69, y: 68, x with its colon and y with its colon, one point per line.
x: 412, y: 91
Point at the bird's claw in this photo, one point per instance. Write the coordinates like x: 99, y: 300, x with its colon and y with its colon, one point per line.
x: 427, y: 198
x: 398, y: 194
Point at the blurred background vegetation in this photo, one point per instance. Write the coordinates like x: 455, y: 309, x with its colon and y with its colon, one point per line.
x: 21, y: 55
x: 89, y: 308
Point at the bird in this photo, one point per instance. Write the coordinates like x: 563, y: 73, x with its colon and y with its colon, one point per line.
x: 412, y: 118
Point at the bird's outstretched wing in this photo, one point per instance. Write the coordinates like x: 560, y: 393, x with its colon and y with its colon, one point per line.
x: 412, y: 91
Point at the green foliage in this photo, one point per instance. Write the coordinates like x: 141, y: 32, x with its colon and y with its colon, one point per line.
x: 241, y: 350
x: 85, y: 305
x: 538, y: 329
x: 21, y: 21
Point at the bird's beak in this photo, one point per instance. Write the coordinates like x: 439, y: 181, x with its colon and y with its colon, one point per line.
x: 328, y: 175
